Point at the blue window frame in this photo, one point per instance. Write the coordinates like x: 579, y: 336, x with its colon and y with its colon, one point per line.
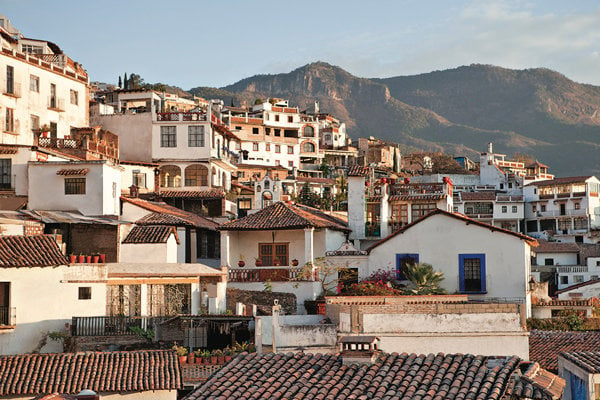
x: 471, y: 273
x: 402, y: 260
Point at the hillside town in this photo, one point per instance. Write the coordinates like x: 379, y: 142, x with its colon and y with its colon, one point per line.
x: 160, y: 246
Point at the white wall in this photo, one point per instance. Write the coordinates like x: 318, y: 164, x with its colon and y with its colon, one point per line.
x: 145, y: 252
x: 301, y: 289
x: 559, y: 258
x: 440, y: 239
x: 44, y: 302
x: 149, y: 394
x: 356, y: 206
x: 298, y: 330
x: 47, y: 190
x: 135, y: 134
x: 127, y: 177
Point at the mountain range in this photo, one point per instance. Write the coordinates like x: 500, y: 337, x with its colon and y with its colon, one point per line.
x: 535, y: 112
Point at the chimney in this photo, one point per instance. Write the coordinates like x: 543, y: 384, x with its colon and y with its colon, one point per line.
x: 87, y: 394
x: 490, y: 148
x: 359, y: 349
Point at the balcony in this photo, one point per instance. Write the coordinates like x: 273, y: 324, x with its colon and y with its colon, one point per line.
x: 12, y: 89
x: 78, y: 147
x: 56, y: 104
x: 487, y: 215
x: 180, y: 116
x: 567, y: 213
x: 274, y: 274
x: 111, y: 325
x: 10, y: 126
x: 564, y: 269
x: 8, y: 317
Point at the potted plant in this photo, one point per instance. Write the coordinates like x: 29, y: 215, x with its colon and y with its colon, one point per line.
x: 295, y: 262
x: 206, y: 357
x: 241, y: 263
x: 73, y: 258
x: 213, y: 357
x: 198, y: 356
x: 95, y: 258
x: 102, y: 258
x: 220, y: 357
x: 276, y: 262
x: 88, y: 259
x: 181, y: 353
x: 227, y: 354
x: 258, y: 262
x: 191, y: 358
x: 80, y: 258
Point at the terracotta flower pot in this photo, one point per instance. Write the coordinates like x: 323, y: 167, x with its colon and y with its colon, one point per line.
x: 258, y: 263
x: 221, y: 360
x: 95, y: 259
x: 213, y: 360
x: 80, y: 259
x: 199, y: 360
x: 182, y: 359
x: 191, y: 359
x: 102, y: 258
x: 227, y: 358
x: 241, y: 263
x: 73, y: 258
x: 88, y: 259
x: 295, y: 262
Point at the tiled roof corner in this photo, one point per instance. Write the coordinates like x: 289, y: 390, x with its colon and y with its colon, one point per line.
x: 30, y: 251
x: 588, y: 360
x: 545, y: 346
x: 358, y: 170
x: 150, y: 234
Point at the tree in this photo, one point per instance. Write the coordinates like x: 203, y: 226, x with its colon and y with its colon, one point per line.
x: 135, y: 82
x: 125, y: 82
x: 120, y: 82
x: 423, y: 280
x: 326, y: 273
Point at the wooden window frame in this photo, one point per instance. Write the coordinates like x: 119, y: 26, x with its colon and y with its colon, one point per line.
x: 267, y: 259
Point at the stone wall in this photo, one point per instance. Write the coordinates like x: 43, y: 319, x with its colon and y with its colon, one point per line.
x: 263, y: 300
x: 103, y: 343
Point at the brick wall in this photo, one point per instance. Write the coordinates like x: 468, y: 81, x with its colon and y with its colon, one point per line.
x: 263, y: 300
x: 33, y: 228
x: 101, y: 343
x: 88, y: 239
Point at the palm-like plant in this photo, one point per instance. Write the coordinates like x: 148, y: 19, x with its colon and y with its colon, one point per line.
x: 423, y: 279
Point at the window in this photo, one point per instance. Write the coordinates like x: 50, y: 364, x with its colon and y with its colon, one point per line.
x: 35, y: 122
x: 504, y: 209
x: 308, y: 147
x: 52, y: 95
x: 85, y: 293
x: 5, y: 173
x: 290, y: 164
x: 10, y: 79
x: 471, y: 273
x: 327, y: 138
x: 577, y: 278
x: 277, y: 132
x: 267, y: 146
x: 514, y: 209
x: 277, y: 118
x: 564, y: 280
x: 196, y: 175
x: 139, y: 178
x: 196, y: 136
x: 543, y: 207
x: 402, y: 260
x: 267, y: 131
x: 53, y: 130
x: 168, y: 136
x: 577, y: 206
x: 5, y: 310
x: 309, y: 131
x: 74, y: 97
x: 277, y: 162
x: 9, y: 125
x: 548, y: 261
x: 290, y: 149
x: 510, y: 185
x: 255, y: 131
x: 268, y: 252
x: 534, y: 190
x: 74, y: 185
x: 238, y: 146
x: 255, y: 146
x: 32, y: 49
x: 290, y: 118
x: 399, y: 215
x: 34, y: 83
x: 420, y: 210
x: 533, y: 208
x: 277, y: 148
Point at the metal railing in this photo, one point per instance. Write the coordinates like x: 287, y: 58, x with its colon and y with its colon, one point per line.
x: 179, y: 116
x: 571, y: 268
x: 274, y: 274
x: 8, y: 316
x: 111, y: 325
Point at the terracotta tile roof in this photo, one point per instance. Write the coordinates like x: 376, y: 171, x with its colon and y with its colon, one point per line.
x: 164, y: 214
x: 528, y: 239
x: 545, y: 246
x: 561, y: 181
x: 545, y: 346
x: 578, y: 285
x: 54, y: 396
x: 30, y: 251
x: 536, y: 163
x: 72, y: 171
x: 8, y: 150
x: 193, y: 194
x: 471, y: 196
x: 150, y: 234
x: 119, y: 371
x: 398, y: 376
x: 588, y: 360
x: 285, y: 216
x: 358, y: 170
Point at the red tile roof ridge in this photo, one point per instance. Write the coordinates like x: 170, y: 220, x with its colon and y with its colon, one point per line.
x: 531, y: 241
x: 30, y: 251
x: 578, y: 285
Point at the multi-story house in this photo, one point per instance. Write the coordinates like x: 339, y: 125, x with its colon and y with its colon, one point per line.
x: 499, y: 209
x: 194, y: 149
x: 335, y: 142
x: 379, y: 153
x: 567, y: 209
x: 42, y: 92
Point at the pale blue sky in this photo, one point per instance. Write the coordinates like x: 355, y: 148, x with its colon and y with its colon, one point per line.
x: 192, y: 43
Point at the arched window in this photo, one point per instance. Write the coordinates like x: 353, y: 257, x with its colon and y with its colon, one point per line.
x: 196, y: 175
x: 308, y: 147
x: 170, y: 176
x: 309, y: 131
x: 267, y: 184
x: 214, y: 177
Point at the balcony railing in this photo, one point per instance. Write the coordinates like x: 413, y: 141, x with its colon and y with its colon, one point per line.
x: 56, y: 104
x: 8, y: 316
x: 479, y: 216
x: 571, y: 268
x: 111, y: 325
x: 274, y: 274
x: 80, y: 145
x: 180, y: 116
x: 12, y: 88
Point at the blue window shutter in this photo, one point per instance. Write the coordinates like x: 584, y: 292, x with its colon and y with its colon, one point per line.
x: 461, y: 273
x: 483, y: 283
x: 399, y: 258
